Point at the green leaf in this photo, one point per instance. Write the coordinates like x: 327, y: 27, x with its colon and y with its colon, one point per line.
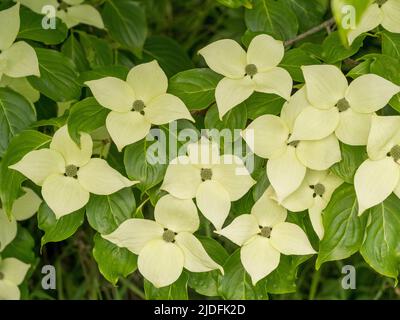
x: 293, y: 61
x: 360, y: 69
x: 262, y: 183
x: 175, y: 291
x: 31, y: 28
x: 309, y: 13
x: 206, y: 283
x: 352, y: 158
x: 16, y: 114
x: 125, y: 20
x: 380, y: 248
x: 259, y: 104
x: 235, y: 118
x: 283, y: 279
x: 344, y: 229
x: 275, y: 18
x: 137, y: 166
x: 10, y: 180
x: 196, y: 87
x: 119, y: 72
x: 98, y: 51
x: 113, y: 262
x: 334, y: 51
x: 56, y: 230
x: 86, y: 116
x: 58, y: 76
x: 21, y: 248
x: 390, y: 44
x: 73, y: 49
x: 168, y: 53
x: 236, y: 283
x: 106, y: 213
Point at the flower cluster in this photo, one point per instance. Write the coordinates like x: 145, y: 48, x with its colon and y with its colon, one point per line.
x: 301, y: 146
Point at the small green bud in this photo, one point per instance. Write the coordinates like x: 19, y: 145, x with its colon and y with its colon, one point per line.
x: 205, y: 174
x: 251, y: 70
x: 266, y: 232
x: 395, y: 153
x: 138, y: 106
x: 343, y: 105
x: 168, y: 236
x: 71, y: 171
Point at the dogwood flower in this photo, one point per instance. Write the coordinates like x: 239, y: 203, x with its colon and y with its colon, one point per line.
x: 137, y: 103
x: 68, y: 174
x: 379, y: 176
x: 167, y: 245
x: 16, y: 59
x: 313, y: 195
x: 212, y: 179
x: 71, y: 12
x: 264, y: 235
x: 339, y: 107
x: 244, y: 72
x: 12, y: 273
x: 269, y: 137
x: 23, y: 208
x: 381, y: 12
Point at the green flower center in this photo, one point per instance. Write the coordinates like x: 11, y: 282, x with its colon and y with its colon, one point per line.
x: 205, y: 174
x: 251, y: 70
x: 265, y: 232
x: 71, y: 171
x: 395, y: 153
x: 1, y: 275
x: 343, y: 105
x: 380, y: 2
x: 168, y: 236
x: 319, y: 190
x: 138, y: 106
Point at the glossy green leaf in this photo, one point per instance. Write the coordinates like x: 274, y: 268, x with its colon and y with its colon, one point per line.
x: 175, y: 291
x: 113, y: 262
x: 106, y: 213
x: 16, y: 114
x: 56, y: 230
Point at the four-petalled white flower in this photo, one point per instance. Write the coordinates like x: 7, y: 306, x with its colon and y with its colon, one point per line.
x: 381, y: 12
x: 263, y: 235
x: 338, y: 107
x: 71, y: 12
x: 167, y: 245
x: 269, y: 137
x: 137, y: 103
x: 212, y: 179
x: 12, y: 273
x: 17, y: 59
x: 379, y: 176
x: 68, y: 174
x: 244, y: 72
x: 314, y: 195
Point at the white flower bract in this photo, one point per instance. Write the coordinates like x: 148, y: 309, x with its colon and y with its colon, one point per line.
x: 167, y: 245
x: 68, y: 174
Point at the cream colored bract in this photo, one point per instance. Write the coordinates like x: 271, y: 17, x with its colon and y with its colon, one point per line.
x: 270, y: 137
x: 137, y: 103
x: 379, y: 176
x: 167, y: 245
x: 212, y: 179
x: 16, y: 59
x: 71, y: 12
x: 12, y: 273
x: 387, y: 15
x: 339, y: 108
x: 244, y: 72
x: 68, y: 174
x: 263, y: 235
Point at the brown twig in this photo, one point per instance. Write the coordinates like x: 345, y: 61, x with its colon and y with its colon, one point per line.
x: 325, y: 25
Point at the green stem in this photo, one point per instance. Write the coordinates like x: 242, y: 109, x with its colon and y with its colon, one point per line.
x: 138, y: 292
x: 314, y: 285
